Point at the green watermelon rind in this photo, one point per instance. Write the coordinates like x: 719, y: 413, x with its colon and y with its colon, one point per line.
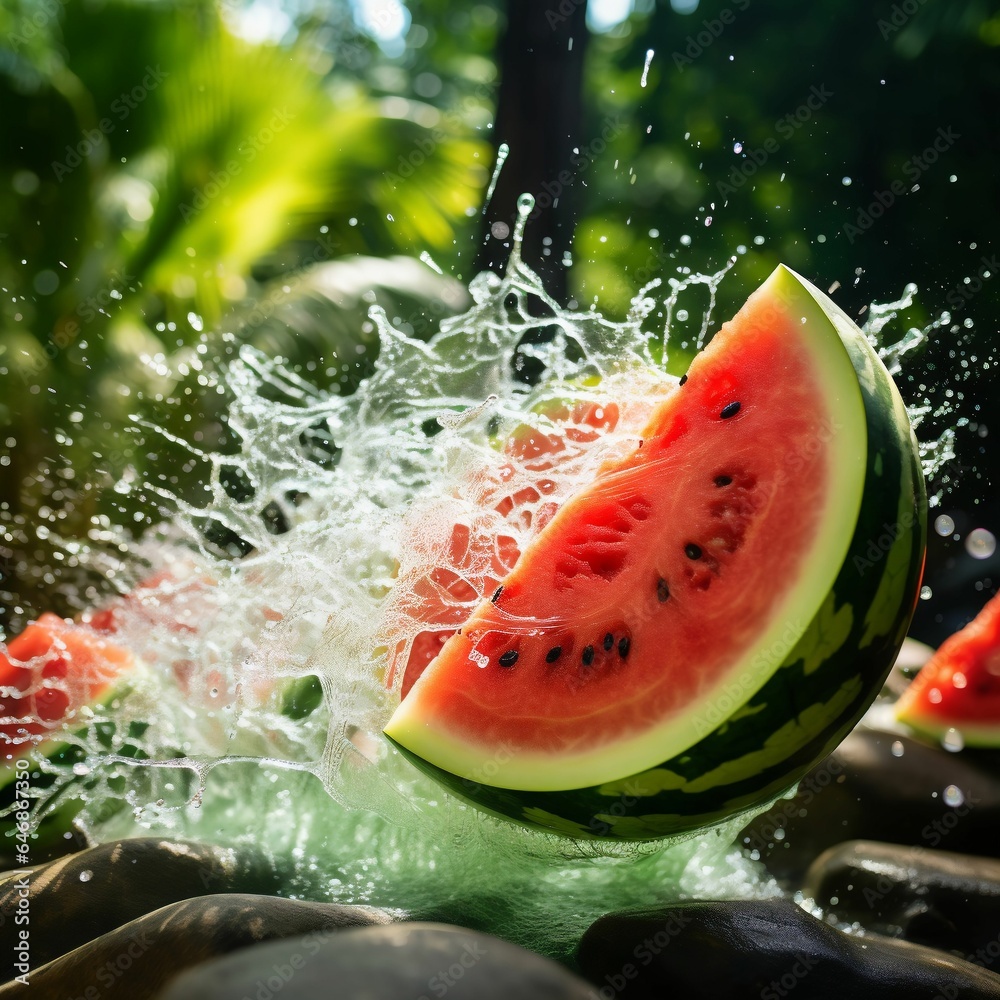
x: 768, y: 738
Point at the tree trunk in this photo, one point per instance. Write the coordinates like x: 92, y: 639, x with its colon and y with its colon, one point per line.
x: 539, y: 116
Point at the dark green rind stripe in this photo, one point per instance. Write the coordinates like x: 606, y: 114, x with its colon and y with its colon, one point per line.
x: 811, y: 701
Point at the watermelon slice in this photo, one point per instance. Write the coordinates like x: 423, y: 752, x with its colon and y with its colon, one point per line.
x: 959, y: 687
x: 692, y: 630
x: 50, y: 671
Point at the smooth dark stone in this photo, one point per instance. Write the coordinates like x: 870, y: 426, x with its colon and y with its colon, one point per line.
x: 407, y: 961
x: 138, y: 959
x: 79, y: 897
x: 862, y: 791
x: 938, y: 898
x: 764, y: 950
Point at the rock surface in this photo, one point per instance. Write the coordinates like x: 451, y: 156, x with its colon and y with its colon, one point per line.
x: 945, y: 900
x: 885, y: 787
x: 407, y: 961
x: 81, y: 896
x: 134, y: 961
x: 764, y: 950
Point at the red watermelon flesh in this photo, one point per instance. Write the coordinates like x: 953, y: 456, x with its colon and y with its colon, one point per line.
x: 959, y: 687
x: 475, y: 561
x: 47, y: 673
x: 638, y: 596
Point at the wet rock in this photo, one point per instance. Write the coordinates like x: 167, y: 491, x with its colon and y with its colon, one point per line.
x: 938, y: 898
x: 134, y: 961
x: 84, y: 895
x: 764, y: 950
x: 885, y: 787
x: 403, y: 962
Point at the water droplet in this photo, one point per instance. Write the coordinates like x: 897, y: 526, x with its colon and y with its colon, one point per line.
x: 897, y: 748
x: 846, y: 181
x: 86, y: 875
x: 952, y: 740
x: 81, y: 769
x: 737, y: 147
x: 645, y: 69
x: 953, y: 796
x: 779, y: 834
x: 980, y: 544
x: 682, y: 315
x: 926, y: 593
x: 503, y: 151
x: 686, y: 240
x: 500, y: 230
x: 944, y: 525
x: 959, y: 680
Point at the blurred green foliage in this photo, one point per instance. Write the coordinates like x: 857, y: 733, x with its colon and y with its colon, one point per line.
x: 170, y: 189
x: 178, y: 178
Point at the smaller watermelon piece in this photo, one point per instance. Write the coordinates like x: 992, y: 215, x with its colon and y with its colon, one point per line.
x: 48, y: 673
x: 959, y: 687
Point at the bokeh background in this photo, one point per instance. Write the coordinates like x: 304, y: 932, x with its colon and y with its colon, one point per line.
x: 178, y: 179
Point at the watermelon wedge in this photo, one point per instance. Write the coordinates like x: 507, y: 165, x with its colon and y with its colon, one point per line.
x: 689, y: 633
x: 959, y: 687
x: 47, y: 674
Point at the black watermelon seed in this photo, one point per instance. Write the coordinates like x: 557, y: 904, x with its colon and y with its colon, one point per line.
x: 623, y: 646
x: 509, y: 658
x: 609, y: 641
x: 692, y: 551
x: 723, y: 480
x: 588, y: 655
x: 662, y: 591
x: 730, y: 410
x: 497, y: 593
x: 684, y: 378
x: 553, y: 654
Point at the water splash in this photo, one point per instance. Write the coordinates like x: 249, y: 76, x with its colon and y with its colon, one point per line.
x: 270, y: 676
